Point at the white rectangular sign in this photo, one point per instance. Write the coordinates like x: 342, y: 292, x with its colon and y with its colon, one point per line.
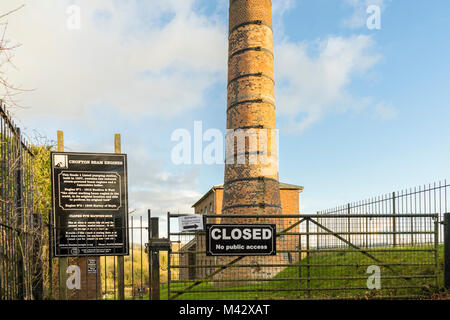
x: 191, y: 223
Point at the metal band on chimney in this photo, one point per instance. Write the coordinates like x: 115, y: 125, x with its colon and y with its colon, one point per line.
x: 241, y: 51
x: 254, y: 22
x: 251, y: 101
x: 258, y: 74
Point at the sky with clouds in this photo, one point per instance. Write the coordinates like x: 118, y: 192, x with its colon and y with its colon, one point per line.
x: 361, y: 112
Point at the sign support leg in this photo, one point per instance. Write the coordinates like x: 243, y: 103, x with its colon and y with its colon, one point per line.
x: 62, y: 261
x: 120, y: 259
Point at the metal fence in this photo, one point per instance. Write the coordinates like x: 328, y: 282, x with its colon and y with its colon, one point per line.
x: 431, y: 198
x: 105, y: 281
x: 20, y: 229
x: 136, y: 265
x: 317, y: 258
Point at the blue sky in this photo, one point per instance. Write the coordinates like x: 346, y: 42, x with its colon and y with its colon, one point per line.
x: 361, y: 112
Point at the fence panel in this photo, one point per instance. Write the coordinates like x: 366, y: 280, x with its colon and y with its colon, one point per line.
x: 431, y: 199
x: 136, y: 265
x: 318, y: 257
x: 20, y: 230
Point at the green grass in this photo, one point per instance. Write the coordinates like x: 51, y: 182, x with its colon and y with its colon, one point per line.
x: 409, y: 277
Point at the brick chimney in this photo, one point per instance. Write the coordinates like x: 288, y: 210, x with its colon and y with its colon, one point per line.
x: 251, y: 170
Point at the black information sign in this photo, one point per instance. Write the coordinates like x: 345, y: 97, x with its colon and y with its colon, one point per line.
x: 241, y: 240
x: 90, y: 204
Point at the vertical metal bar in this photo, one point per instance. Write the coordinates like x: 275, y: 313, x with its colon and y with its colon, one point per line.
x: 394, y: 221
x: 132, y: 259
x: 299, y: 257
x: 3, y: 261
x: 106, y: 270
x: 155, y: 261
x: 149, y: 236
x: 348, y: 221
x: 22, y: 293
x: 50, y: 255
x: 436, y: 250
x: 447, y: 250
x: 412, y: 219
x: 142, y: 282
x: 168, y: 258
x: 308, y: 274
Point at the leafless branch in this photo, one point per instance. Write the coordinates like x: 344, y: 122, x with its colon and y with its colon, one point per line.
x: 8, y: 91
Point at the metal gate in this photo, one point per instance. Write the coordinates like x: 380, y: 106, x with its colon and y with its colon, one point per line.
x: 320, y: 256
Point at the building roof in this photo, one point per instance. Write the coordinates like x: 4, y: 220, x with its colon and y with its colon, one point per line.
x: 284, y: 186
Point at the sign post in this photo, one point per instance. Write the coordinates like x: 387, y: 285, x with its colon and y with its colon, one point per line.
x: 241, y: 240
x: 120, y: 259
x: 62, y: 263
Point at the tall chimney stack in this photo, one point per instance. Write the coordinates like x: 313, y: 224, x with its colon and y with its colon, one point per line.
x: 251, y: 187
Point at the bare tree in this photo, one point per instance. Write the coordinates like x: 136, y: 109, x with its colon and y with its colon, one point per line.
x: 8, y: 91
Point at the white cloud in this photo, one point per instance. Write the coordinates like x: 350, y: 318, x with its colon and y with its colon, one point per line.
x: 158, y: 65
x: 385, y: 111
x: 312, y: 85
x: 279, y: 7
x: 154, y: 186
x: 359, y: 16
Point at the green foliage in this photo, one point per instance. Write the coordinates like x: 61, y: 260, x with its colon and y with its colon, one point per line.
x: 42, y: 178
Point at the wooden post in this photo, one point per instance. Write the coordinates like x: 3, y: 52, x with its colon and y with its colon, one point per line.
x: 62, y: 261
x: 120, y: 259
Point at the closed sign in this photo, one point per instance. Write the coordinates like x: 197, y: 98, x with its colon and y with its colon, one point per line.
x: 241, y: 240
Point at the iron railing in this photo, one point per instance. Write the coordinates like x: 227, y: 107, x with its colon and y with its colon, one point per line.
x: 19, y: 228
x: 431, y: 198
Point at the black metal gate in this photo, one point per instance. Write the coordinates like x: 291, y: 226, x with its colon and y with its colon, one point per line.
x: 319, y: 256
